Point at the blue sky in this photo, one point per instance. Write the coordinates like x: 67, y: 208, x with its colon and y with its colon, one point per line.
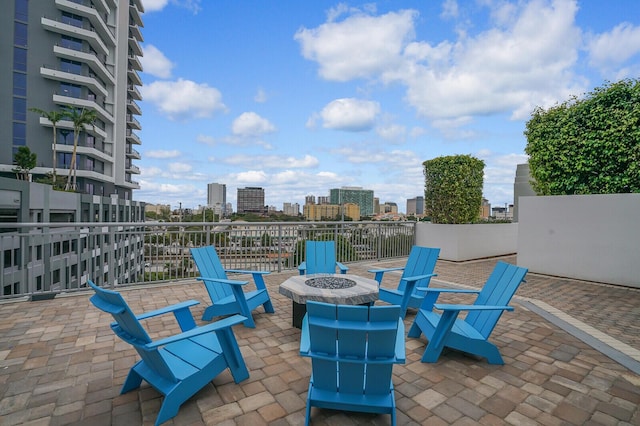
x: 299, y: 97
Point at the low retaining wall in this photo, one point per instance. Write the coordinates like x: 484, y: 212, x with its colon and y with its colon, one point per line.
x: 587, y: 237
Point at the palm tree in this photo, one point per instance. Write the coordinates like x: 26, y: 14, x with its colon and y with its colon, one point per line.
x: 53, y: 117
x: 81, y: 118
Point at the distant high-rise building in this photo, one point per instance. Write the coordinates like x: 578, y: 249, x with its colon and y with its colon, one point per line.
x: 390, y: 207
x: 321, y: 211
x: 291, y: 209
x: 310, y: 199
x: 217, y: 198
x: 83, y: 55
x: 415, y: 206
x: 251, y: 200
x: 356, y: 195
x: 376, y: 205
x: 323, y: 199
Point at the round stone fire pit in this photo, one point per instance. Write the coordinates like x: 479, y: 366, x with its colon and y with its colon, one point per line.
x: 330, y: 283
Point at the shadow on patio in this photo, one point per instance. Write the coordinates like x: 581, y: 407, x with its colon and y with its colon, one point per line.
x: 570, y: 349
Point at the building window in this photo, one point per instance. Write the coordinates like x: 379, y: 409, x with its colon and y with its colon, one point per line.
x: 20, y: 109
x: 20, y: 59
x: 72, y: 90
x: 71, y: 42
x: 19, y: 134
x: 20, y: 34
x: 22, y: 10
x: 71, y: 19
x: 19, y: 84
x: 70, y: 66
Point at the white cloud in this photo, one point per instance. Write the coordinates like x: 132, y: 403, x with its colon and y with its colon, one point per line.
x: 261, y: 96
x: 180, y: 167
x: 609, y: 51
x: 512, y: 67
x: 350, y: 114
x: 393, y: 133
x: 154, y: 5
x: 183, y: 99
x: 162, y: 153
x: 449, y: 9
x: 359, y: 46
x: 273, y: 161
x: 250, y: 124
x: 205, y: 139
x: 250, y: 177
x: 155, y: 63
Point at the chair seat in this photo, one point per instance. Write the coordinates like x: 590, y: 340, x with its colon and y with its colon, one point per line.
x: 380, y: 404
x: 460, y: 327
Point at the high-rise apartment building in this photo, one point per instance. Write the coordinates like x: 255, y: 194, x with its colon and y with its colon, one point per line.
x: 356, y: 195
x: 290, y: 209
x: 415, y: 206
x: 251, y: 200
x: 217, y: 198
x: 310, y: 199
x: 73, y: 54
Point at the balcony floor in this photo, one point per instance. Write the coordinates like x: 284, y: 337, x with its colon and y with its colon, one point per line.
x: 571, y: 353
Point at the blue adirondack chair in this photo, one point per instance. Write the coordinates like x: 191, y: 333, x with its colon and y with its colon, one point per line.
x: 227, y: 295
x: 415, y: 274
x: 470, y: 334
x: 177, y: 366
x: 352, y: 351
x: 320, y: 258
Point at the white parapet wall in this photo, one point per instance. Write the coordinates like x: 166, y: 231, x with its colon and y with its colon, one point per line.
x: 587, y: 237
x: 466, y: 242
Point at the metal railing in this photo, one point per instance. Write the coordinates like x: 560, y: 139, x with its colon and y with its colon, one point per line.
x: 49, y: 258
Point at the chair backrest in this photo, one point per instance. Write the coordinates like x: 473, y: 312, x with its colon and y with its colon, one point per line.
x: 353, y: 347
x: 209, y: 265
x: 128, y: 328
x: 320, y: 257
x: 497, y: 291
x: 421, y: 261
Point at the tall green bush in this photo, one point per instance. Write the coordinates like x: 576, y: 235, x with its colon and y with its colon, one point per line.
x: 589, y: 145
x: 453, y: 188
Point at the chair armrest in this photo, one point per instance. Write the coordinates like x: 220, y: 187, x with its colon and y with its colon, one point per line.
x: 343, y: 268
x: 374, y: 271
x: 447, y: 290
x: 419, y: 277
x: 447, y: 307
x: 242, y: 271
x: 223, y: 323
x: 305, y: 342
x: 223, y: 281
x: 167, y: 309
x: 400, y: 343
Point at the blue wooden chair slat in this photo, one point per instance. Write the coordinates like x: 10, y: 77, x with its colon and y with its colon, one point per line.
x: 353, y: 349
x: 176, y: 366
x: 227, y: 296
x: 470, y: 334
x: 320, y: 258
x: 416, y: 275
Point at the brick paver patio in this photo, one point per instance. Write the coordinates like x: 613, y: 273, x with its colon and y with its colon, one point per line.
x: 61, y: 364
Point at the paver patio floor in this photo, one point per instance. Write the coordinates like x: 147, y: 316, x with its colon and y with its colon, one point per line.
x: 571, y: 352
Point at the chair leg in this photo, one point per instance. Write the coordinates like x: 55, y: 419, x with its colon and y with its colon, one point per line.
x: 268, y: 307
x: 439, y: 337
x: 133, y: 381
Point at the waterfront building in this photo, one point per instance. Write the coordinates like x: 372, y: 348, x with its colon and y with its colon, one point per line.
x: 82, y: 55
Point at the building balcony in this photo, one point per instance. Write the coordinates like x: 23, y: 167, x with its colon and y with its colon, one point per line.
x: 134, y: 62
x: 82, y: 33
x: 133, y: 107
x: 132, y: 169
x: 132, y: 153
x: 135, y: 8
x: 134, y: 78
x: 133, y: 138
x: 135, y: 46
x: 133, y: 123
x: 134, y: 31
x: 99, y: 25
x: 134, y: 92
x: 69, y: 77
x: 88, y: 58
x: 103, y: 114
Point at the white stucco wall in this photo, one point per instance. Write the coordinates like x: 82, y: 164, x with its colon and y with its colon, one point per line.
x: 589, y: 237
x: 465, y: 242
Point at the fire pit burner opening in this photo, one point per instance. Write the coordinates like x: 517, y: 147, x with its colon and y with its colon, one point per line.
x: 330, y: 283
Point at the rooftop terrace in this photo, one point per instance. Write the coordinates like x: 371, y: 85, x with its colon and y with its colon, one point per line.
x: 571, y: 353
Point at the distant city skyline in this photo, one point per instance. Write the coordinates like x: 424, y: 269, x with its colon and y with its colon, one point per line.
x: 299, y: 97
